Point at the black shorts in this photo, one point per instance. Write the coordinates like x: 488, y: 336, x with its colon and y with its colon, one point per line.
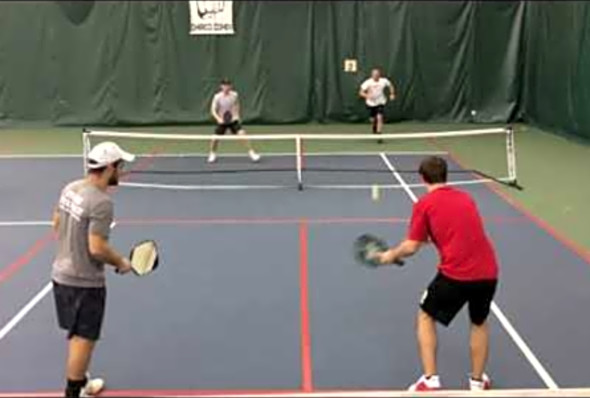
x: 376, y: 110
x: 445, y: 297
x: 80, y: 310
x: 234, y: 127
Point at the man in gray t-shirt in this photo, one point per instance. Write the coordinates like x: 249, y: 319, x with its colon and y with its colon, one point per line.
x: 82, y: 221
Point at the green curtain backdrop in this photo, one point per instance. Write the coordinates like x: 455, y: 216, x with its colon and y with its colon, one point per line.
x: 557, y: 76
x: 126, y: 62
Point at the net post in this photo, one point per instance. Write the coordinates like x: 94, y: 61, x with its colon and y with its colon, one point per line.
x: 511, y: 154
x: 299, y: 161
x: 85, y: 149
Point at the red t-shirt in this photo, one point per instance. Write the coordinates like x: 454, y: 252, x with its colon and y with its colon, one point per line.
x: 450, y: 219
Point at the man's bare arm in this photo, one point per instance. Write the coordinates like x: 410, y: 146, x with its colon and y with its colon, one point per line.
x: 101, y: 250
x: 405, y: 249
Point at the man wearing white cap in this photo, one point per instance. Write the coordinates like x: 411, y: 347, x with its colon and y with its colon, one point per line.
x: 82, y: 221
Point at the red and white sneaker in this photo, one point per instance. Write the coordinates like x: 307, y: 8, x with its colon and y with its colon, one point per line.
x: 480, y: 385
x: 426, y: 384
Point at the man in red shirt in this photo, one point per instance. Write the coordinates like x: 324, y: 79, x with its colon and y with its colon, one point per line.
x: 467, y: 273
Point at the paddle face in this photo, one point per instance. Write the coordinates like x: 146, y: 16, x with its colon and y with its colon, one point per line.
x: 367, y: 247
x: 227, y: 117
x: 144, y: 257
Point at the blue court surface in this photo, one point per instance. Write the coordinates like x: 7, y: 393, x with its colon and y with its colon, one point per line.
x: 258, y: 292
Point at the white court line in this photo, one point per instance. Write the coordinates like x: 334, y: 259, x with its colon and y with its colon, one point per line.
x: 25, y: 310
x: 29, y: 306
x: 40, y: 156
x: 516, y: 393
x: 518, y: 340
x: 25, y: 223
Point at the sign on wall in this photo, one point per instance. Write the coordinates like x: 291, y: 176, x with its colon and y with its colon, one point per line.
x: 211, y: 17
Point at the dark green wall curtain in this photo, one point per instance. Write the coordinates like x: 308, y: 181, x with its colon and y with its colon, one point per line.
x: 557, y: 76
x: 125, y: 62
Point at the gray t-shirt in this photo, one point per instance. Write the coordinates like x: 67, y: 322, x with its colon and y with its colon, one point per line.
x: 83, y: 209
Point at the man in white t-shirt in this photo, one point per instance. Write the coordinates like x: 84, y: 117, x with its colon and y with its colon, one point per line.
x: 225, y: 109
x: 373, y: 91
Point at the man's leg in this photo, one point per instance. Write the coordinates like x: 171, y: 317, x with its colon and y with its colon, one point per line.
x: 480, y: 300
x: 479, y: 343
x: 213, y: 145
x: 79, y: 355
x: 427, y: 343
x: 219, y: 130
x: 246, y: 142
x: 440, y: 303
x: 379, y: 124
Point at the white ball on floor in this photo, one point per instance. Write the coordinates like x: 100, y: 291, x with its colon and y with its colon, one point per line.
x: 375, y: 194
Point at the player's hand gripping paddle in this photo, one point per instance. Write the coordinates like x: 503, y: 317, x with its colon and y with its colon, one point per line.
x: 367, y: 249
x: 227, y: 118
x: 144, y: 257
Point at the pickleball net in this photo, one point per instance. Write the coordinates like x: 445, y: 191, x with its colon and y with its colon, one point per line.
x: 321, y: 161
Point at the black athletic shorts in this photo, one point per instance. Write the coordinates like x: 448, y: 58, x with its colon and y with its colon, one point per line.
x: 234, y: 127
x: 376, y: 110
x: 80, y: 310
x: 445, y: 297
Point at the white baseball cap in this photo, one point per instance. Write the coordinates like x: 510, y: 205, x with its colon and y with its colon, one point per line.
x: 107, y: 153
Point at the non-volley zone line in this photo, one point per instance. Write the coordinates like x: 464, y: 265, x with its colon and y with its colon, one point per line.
x: 155, y: 221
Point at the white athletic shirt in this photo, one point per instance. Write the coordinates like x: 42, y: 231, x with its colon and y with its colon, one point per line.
x: 376, y: 91
x: 225, y: 103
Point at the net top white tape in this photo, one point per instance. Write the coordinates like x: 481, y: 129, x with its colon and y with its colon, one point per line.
x: 292, y: 137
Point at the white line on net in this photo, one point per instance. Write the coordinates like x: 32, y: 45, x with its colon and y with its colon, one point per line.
x: 293, y: 137
x: 512, y: 332
x: 180, y: 155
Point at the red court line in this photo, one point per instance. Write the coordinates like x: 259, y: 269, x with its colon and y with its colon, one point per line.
x: 577, y: 249
x: 306, y: 362
x: 287, y: 220
x: 7, y: 272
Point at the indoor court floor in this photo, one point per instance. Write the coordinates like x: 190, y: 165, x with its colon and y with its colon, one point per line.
x: 258, y: 292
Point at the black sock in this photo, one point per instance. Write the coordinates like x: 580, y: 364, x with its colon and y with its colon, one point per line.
x: 74, y: 387
x: 374, y: 126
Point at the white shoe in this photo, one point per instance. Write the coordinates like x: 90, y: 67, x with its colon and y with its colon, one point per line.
x: 426, y: 384
x: 480, y: 385
x: 254, y: 156
x: 92, y: 388
x: 212, y: 158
